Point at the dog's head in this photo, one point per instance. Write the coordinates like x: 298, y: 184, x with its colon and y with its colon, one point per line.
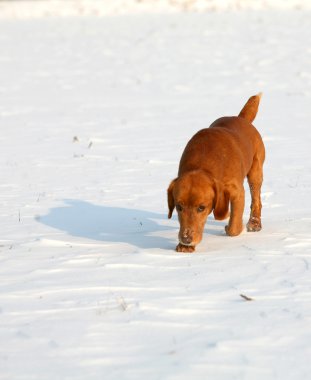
x: 195, y: 195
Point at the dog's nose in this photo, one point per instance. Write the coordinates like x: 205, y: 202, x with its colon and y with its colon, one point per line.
x: 186, y: 237
x: 186, y: 240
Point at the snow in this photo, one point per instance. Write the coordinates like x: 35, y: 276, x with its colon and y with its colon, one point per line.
x: 95, y: 112
x: 97, y: 8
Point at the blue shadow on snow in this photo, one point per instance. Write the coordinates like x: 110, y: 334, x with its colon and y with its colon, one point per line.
x: 109, y: 224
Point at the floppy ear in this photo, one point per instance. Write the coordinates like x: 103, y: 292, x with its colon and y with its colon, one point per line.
x: 221, y: 202
x: 170, y: 198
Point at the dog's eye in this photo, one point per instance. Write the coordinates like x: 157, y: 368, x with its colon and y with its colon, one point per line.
x: 201, y: 208
x: 179, y: 208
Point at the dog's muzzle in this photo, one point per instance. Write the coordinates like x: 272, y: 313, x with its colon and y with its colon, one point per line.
x: 186, y: 238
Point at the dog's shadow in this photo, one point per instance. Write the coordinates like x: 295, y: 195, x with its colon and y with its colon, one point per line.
x: 140, y: 228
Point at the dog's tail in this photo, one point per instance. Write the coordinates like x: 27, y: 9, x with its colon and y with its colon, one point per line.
x: 249, y: 111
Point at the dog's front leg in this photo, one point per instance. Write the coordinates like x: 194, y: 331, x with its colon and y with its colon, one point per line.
x: 237, y: 202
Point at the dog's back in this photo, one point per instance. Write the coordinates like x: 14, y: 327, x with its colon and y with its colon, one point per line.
x: 228, y: 146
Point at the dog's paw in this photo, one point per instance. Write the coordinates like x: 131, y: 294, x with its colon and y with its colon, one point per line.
x: 254, y: 224
x: 233, y: 231
x: 185, y: 248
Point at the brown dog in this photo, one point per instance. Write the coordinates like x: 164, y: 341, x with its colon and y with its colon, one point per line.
x: 211, y: 173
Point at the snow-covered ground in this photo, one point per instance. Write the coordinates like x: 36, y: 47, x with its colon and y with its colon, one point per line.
x: 97, y: 8
x: 94, y: 115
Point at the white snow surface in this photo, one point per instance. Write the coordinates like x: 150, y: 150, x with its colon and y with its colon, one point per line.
x: 98, y: 8
x: 95, y: 113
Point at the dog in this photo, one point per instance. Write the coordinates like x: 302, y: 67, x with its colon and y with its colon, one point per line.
x: 211, y: 173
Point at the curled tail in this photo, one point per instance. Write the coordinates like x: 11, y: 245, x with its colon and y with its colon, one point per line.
x: 249, y: 111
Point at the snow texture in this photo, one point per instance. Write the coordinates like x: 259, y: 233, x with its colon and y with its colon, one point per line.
x: 97, y: 8
x: 95, y: 113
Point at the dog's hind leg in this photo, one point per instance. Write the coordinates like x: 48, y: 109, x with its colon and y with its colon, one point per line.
x: 255, y: 178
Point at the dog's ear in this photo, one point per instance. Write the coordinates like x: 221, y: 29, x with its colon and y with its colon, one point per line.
x: 221, y: 202
x: 170, y: 198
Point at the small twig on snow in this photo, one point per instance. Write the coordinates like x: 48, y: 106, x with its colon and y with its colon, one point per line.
x: 246, y: 297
